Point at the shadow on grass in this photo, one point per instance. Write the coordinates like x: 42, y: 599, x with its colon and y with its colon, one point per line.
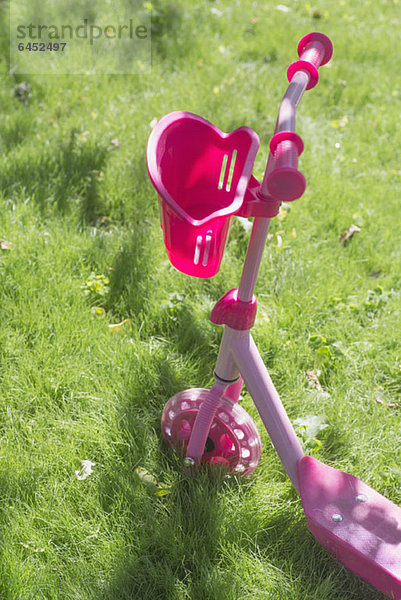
x: 14, y: 131
x: 177, y: 544
x: 178, y: 551
x: 134, y: 293
x: 130, y: 282
x: 174, y: 543
x: 171, y: 542
x: 64, y: 178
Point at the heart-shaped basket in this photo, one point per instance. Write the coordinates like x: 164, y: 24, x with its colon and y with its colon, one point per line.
x: 201, y: 176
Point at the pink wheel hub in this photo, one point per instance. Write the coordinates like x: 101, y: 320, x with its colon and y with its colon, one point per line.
x: 233, y: 442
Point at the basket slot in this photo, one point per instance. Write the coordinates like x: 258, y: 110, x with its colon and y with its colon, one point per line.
x: 197, y: 249
x: 230, y: 171
x: 206, y: 248
x: 223, y: 172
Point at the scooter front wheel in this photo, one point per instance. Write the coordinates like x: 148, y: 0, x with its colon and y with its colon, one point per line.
x: 233, y: 440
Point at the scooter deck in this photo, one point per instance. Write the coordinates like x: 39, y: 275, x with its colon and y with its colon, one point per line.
x: 356, y: 524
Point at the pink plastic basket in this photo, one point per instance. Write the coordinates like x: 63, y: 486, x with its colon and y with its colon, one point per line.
x: 201, y: 175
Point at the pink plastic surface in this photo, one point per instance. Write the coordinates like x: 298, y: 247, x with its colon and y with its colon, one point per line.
x: 233, y: 439
x: 304, y: 65
x: 256, y: 204
x: 201, y: 175
x: 286, y: 183
x: 204, y: 420
x: 253, y: 259
x: 314, y: 50
x: 286, y: 124
x: 358, y: 525
x: 282, y: 136
x: 233, y: 312
x: 234, y: 390
x: 308, y: 51
x: 266, y: 399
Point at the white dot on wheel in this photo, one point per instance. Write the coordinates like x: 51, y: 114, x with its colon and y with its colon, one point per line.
x: 239, y: 433
x: 245, y: 453
x: 241, y: 418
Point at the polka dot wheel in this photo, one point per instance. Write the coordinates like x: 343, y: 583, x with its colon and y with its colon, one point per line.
x: 233, y: 438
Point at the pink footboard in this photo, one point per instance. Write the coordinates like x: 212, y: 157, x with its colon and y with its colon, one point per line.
x: 360, y: 527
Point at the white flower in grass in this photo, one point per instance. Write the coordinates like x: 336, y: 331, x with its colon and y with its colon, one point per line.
x: 85, y: 470
x: 246, y: 224
x: 282, y: 8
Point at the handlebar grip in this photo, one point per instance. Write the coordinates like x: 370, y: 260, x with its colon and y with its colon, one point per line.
x: 314, y: 50
x: 285, y: 183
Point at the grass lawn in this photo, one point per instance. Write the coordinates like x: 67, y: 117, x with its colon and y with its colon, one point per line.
x: 82, y: 250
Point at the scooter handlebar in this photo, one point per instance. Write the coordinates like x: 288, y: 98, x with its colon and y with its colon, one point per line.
x: 285, y: 182
x: 314, y: 50
x: 282, y: 179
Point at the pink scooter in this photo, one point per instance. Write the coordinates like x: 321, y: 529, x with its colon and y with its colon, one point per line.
x: 203, y: 177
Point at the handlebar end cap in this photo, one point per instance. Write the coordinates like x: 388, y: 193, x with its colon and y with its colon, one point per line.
x: 315, y: 36
x: 286, y: 184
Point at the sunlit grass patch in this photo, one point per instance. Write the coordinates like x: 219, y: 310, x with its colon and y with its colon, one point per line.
x: 98, y: 330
